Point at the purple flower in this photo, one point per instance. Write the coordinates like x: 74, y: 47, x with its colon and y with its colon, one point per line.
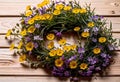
x: 89, y: 73
x: 37, y: 25
x: 37, y: 38
x: 42, y: 10
x: 66, y: 74
x: 86, y: 30
x: 97, y: 68
x: 103, y: 55
x: 81, y: 56
x: 95, y: 29
x: 34, y: 8
x: 91, y: 67
x: 95, y: 17
x: 36, y: 45
x: 72, y: 58
x: 92, y: 60
x: 111, y: 47
x: 58, y: 34
x: 26, y: 20
x: 81, y: 50
x: 94, y: 39
x: 28, y: 39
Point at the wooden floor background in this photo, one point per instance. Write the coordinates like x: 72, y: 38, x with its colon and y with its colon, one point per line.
x: 12, y: 71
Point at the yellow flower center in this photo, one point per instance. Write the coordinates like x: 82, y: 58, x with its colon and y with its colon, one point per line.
x: 62, y: 41
x: 58, y: 62
x: 67, y: 8
x: 102, y: 39
x: 31, y: 29
x: 76, y: 10
x: 90, y: 24
x: 50, y: 36
x: 73, y: 64
x: 52, y: 53
x: 29, y: 46
x: 76, y: 29
x: 56, y: 12
x: 59, y: 52
x: 96, y: 50
x: 85, y: 34
x: 83, y: 66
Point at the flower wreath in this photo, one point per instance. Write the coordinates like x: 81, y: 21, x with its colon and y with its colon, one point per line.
x: 42, y: 26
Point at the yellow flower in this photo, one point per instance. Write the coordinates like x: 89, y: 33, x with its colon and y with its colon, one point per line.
x: 30, y: 21
x: 56, y: 12
x: 29, y: 46
x: 83, y: 66
x: 67, y: 8
x: 62, y: 41
x: 59, y: 52
x: 28, y: 13
x: 96, y: 50
x: 23, y: 32
x: 59, y: 62
x: 85, y: 34
x: 47, y: 16
x: 8, y: 32
x: 102, y: 39
x: 42, y: 4
x: 76, y: 10
x: 50, y: 45
x: 83, y: 10
x: 12, y: 46
x: 20, y: 45
x: 28, y: 7
x: 59, y: 6
x: 73, y: 64
x: 50, y: 36
x: 73, y: 47
x: 22, y: 58
x: 90, y: 24
x: 76, y: 29
x: 31, y: 29
x: 52, y: 53
x: 67, y: 48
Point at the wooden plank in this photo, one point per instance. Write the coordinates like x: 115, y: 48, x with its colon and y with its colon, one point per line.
x: 9, y: 65
x: 53, y: 79
x: 103, y: 7
x: 9, y: 22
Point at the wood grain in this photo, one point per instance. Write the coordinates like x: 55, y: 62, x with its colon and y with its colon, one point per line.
x: 103, y: 7
x: 53, y: 79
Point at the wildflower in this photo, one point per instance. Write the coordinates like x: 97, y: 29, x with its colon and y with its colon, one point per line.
x: 20, y: 45
x: 12, y: 46
x: 76, y: 10
x: 52, y: 53
x: 50, y: 45
x: 59, y: 6
x: 82, y: 11
x: 8, y: 32
x: 73, y: 47
x: 62, y: 41
x: 96, y: 50
x: 67, y: 48
x: 30, y: 21
x: 28, y: 13
x: 28, y: 7
x: 76, y: 29
x: 42, y: 4
x: 73, y: 64
x: 90, y: 24
x: 31, y: 29
x: 23, y: 32
x: 67, y: 8
x: 59, y: 62
x: 85, y: 34
x: 83, y: 66
x: 56, y: 12
x: 50, y: 36
x: 29, y: 46
x: 102, y: 39
x: 22, y: 58
x: 59, y: 52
